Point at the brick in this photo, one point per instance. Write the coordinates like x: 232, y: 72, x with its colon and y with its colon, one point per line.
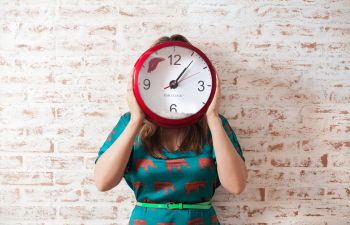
x: 307, y: 193
x: 10, y: 162
x: 298, y: 160
x: 73, y: 179
x: 50, y: 163
x: 26, y: 178
x: 281, y: 211
x: 293, y: 176
x: 52, y: 195
x: 255, y: 160
x: 10, y: 195
x: 19, y: 213
x: 77, y: 145
x: 27, y: 114
x: 340, y: 160
x: 250, y: 195
x: 28, y: 145
x: 87, y: 212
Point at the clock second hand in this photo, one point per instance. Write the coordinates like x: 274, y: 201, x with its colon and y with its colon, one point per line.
x: 184, y: 79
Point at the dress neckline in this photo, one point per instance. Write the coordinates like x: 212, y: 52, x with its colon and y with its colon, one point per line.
x: 166, y: 150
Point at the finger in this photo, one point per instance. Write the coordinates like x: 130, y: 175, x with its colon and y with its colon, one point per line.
x: 132, y: 70
x: 217, y: 80
x: 130, y: 81
x: 132, y: 77
x: 129, y: 86
x: 218, y: 85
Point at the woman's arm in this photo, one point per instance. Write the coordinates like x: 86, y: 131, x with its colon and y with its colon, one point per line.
x: 109, y: 169
x: 232, y: 171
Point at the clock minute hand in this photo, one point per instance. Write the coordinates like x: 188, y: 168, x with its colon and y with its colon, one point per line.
x: 183, y: 71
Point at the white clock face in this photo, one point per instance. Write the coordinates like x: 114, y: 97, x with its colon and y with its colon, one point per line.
x: 187, y: 94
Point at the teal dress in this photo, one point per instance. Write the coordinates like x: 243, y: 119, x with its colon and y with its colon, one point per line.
x: 182, y: 177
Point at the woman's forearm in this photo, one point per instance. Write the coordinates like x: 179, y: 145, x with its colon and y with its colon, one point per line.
x: 110, y: 166
x: 232, y: 171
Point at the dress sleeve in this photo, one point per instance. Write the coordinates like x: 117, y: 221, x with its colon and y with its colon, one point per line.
x: 113, y: 136
x: 232, y: 136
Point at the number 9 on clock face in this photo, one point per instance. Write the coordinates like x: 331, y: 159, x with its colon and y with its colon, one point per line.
x: 174, y: 83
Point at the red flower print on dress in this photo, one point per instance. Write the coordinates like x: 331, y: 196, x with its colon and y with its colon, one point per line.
x: 196, y: 221
x: 110, y: 135
x: 228, y: 129
x: 165, y: 185
x: 144, y: 163
x: 206, y: 162
x: 148, y: 200
x: 195, y: 185
x: 176, y: 163
x: 140, y: 222
x: 214, y: 219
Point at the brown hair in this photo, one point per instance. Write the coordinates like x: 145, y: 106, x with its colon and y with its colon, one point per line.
x: 194, y: 136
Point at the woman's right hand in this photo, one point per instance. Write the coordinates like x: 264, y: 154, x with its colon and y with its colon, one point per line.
x: 137, y: 113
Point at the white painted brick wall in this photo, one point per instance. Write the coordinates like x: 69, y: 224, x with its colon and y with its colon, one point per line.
x: 285, y: 76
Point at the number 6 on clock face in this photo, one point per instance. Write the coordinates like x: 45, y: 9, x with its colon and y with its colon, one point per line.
x: 174, y: 83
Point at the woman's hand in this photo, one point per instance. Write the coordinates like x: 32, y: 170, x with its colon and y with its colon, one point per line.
x: 137, y: 113
x: 213, y: 109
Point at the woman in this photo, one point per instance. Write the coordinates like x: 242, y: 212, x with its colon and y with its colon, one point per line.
x: 163, y: 165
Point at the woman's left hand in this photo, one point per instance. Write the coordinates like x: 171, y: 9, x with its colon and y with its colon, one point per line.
x: 214, y: 106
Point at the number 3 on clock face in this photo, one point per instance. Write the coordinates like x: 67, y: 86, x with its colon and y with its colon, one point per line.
x: 174, y: 83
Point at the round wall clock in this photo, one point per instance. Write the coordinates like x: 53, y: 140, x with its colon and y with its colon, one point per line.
x: 174, y: 84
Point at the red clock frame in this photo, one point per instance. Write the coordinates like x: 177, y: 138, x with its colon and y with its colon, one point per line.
x: 155, y: 118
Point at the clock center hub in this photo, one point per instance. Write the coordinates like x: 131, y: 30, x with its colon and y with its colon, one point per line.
x: 173, y: 84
